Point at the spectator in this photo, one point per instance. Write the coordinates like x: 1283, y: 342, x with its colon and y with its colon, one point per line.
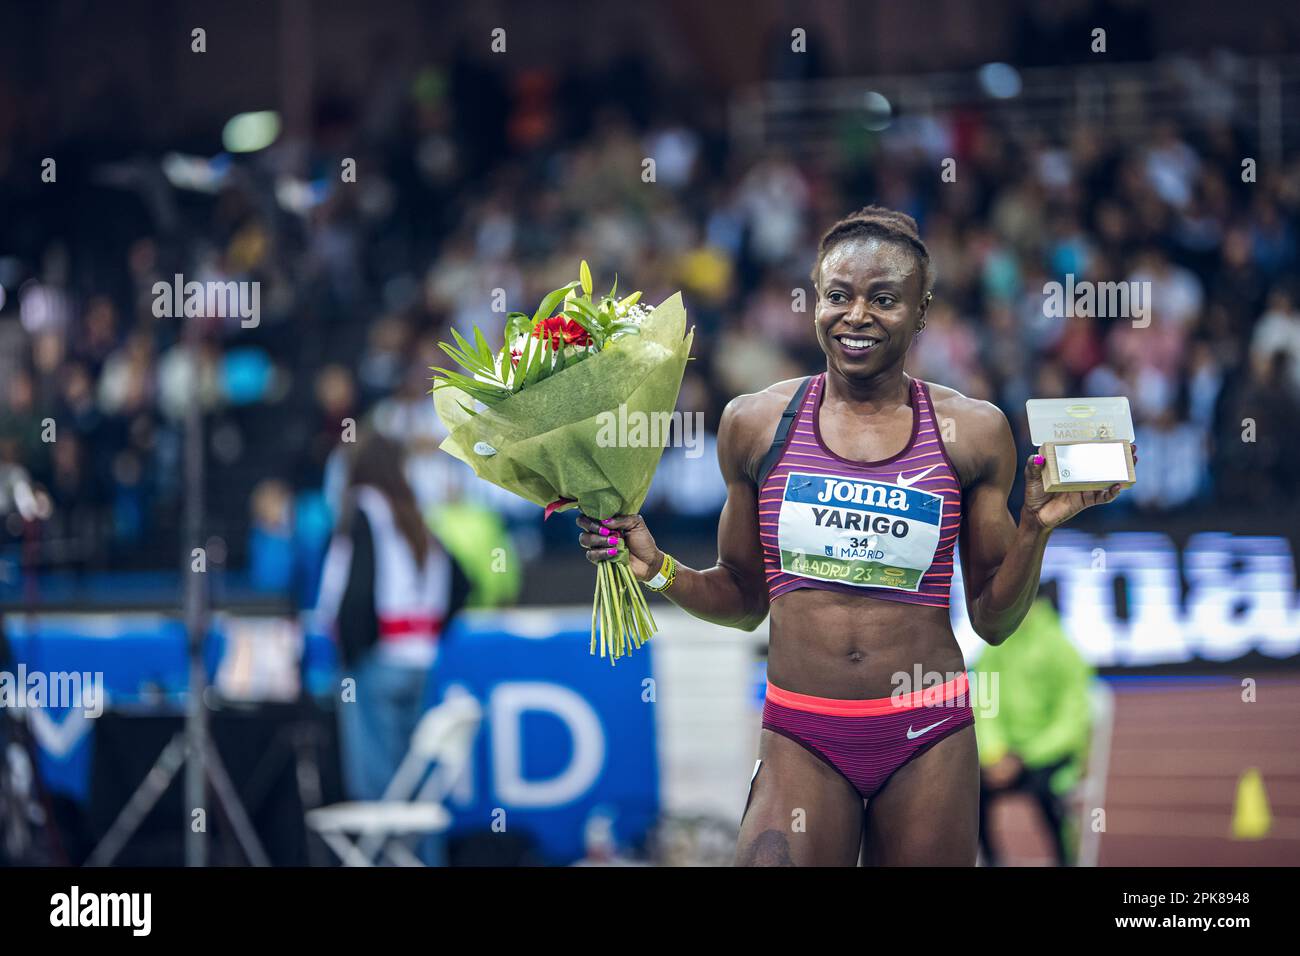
x: 388, y: 594
x: 1034, y: 738
x: 1279, y: 331
x: 271, y: 561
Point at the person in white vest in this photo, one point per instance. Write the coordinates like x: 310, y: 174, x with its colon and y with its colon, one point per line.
x: 388, y: 592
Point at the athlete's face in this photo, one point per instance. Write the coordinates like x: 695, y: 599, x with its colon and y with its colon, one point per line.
x: 869, y: 305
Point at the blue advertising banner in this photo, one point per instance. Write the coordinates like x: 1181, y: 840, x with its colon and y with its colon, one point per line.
x: 567, y: 740
x: 121, y: 660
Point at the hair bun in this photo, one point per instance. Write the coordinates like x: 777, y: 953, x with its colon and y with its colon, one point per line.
x: 892, y: 217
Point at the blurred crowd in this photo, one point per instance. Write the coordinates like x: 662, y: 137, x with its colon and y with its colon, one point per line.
x: 478, y: 191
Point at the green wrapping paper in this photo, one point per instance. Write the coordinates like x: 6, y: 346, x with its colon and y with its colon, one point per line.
x: 558, y: 439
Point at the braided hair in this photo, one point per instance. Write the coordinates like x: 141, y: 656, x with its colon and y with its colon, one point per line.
x: 888, y: 225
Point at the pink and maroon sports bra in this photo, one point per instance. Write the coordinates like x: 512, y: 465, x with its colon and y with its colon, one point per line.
x: 885, y: 529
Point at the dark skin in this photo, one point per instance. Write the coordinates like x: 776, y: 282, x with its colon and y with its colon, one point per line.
x: 848, y: 646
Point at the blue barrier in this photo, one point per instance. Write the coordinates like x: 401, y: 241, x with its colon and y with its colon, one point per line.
x: 565, y: 735
x: 143, y: 662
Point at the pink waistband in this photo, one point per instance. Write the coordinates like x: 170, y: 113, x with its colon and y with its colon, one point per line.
x: 926, y: 697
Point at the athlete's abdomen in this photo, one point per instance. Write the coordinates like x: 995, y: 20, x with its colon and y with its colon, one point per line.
x: 855, y: 647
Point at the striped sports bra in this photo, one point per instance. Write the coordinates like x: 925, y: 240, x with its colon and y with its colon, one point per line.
x: 885, y: 529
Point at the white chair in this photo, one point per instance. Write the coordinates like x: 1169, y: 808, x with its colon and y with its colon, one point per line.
x: 359, y: 832
x: 1090, y: 793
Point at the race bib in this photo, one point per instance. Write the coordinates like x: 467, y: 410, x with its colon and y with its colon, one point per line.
x: 858, y: 531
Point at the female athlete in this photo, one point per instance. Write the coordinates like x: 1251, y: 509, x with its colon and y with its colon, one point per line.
x: 846, y: 493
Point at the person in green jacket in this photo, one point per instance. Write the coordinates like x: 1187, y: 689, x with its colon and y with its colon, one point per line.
x: 477, y: 538
x: 1035, y: 739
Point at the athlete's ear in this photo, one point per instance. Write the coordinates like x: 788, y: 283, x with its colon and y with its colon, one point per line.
x: 925, y: 304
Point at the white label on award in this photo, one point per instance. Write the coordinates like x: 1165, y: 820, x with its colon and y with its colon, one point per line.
x: 1091, y: 462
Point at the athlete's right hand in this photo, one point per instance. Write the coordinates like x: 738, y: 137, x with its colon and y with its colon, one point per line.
x: 601, y: 538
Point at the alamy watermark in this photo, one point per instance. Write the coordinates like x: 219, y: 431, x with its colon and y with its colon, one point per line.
x: 191, y: 300
x: 1098, y: 300
x: 74, y: 690
x: 636, y: 429
x: 978, y: 689
x: 133, y: 911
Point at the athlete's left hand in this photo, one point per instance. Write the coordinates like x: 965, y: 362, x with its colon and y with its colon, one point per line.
x: 1054, y: 509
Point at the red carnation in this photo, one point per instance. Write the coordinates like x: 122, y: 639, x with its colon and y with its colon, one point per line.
x: 562, y: 331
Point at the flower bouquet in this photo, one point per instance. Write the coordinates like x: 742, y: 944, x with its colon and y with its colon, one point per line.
x: 534, y: 417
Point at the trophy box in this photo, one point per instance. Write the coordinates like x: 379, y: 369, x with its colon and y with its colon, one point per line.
x: 1087, y: 442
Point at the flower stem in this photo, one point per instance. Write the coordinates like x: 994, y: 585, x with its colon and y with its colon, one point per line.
x: 619, y: 610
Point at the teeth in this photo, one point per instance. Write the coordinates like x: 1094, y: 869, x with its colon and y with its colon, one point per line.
x: 857, y: 343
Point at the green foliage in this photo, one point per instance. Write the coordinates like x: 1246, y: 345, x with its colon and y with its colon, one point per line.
x: 492, y: 377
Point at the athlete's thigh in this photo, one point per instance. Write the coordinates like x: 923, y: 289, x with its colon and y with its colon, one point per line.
x: 801, y: 811
x: 927, y: 814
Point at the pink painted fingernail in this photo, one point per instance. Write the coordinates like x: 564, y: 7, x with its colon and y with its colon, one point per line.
x: 612, y: 552
x: 1039, y: 460
x: 604, y: 530
x: 611, y: 540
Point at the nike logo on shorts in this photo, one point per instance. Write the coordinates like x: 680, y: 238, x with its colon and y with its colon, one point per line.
x: 913, y: 734
x: 908, y: 482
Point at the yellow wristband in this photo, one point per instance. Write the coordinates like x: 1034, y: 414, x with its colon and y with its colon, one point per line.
x: 667, y: 574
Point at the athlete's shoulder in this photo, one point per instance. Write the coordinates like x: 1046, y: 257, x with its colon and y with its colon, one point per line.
x: 760, y: 404
x: 975, y: 432
x: 749, y: 423
x: 950, y: 403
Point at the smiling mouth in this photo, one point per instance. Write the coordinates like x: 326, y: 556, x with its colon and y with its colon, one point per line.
x: 857, y: 343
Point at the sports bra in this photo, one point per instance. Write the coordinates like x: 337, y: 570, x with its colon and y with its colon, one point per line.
x: 886, y: 529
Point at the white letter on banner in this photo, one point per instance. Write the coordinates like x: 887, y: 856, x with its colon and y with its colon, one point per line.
x: 508, y: 703
x: 1086, y: 597
x: 1155, y: 631
x: 1242, y: 595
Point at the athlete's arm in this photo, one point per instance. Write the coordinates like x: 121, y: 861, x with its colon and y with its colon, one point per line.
x: 1001, y: 558
x: 734, y: 591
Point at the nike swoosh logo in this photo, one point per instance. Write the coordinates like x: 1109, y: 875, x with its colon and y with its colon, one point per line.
x: 908, y: 482
x: 913, y: 734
